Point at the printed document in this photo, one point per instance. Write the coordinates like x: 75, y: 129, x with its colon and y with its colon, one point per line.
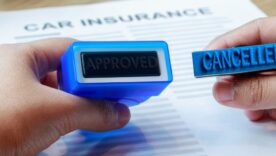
x: 185, y: 120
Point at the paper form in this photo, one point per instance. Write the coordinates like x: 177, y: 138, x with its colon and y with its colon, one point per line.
x: 185, y: 120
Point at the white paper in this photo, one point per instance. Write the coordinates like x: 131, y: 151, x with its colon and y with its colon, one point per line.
x: 185, y: 119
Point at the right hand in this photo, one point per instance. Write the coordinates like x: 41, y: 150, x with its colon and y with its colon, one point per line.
x: 255, y: 94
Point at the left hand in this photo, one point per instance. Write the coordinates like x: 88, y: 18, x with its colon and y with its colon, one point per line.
x: 33, y: 112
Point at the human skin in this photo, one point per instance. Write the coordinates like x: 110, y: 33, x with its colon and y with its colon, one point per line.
x: 255, y: 93
x: 33, y: 112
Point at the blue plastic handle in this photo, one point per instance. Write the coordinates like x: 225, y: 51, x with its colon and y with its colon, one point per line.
x: 234, y: 60
x: 129, y: 72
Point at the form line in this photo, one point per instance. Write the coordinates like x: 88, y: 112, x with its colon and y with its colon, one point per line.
x: 36, y: 35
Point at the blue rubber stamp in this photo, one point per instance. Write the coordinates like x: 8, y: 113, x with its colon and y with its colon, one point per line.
x: 235, y: 60
x: 129, y: 72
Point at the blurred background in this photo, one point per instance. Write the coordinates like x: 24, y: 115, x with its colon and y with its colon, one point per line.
x: 268, y: 6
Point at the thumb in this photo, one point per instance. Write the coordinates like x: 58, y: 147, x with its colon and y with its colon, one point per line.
x: 55, y: 113
x: 69, y: 112
x: 247, y: 92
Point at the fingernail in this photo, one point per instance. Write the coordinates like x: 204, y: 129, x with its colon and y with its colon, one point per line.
x: 209, y: 46
x: 224, y: 78
x: 123, y: 113
x: 219, y: 78
x: 224, y: 92
x: 206, y: 47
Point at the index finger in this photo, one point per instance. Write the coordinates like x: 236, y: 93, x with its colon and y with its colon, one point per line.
x: 46, y: 53
x: 259, y: 31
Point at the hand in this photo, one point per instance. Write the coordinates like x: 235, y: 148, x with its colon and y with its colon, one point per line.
x: 256, y: 93
x: 33, y: 113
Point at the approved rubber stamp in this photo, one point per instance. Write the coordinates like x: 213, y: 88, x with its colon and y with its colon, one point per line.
x: 125, y: 71
x: 234, y: 60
